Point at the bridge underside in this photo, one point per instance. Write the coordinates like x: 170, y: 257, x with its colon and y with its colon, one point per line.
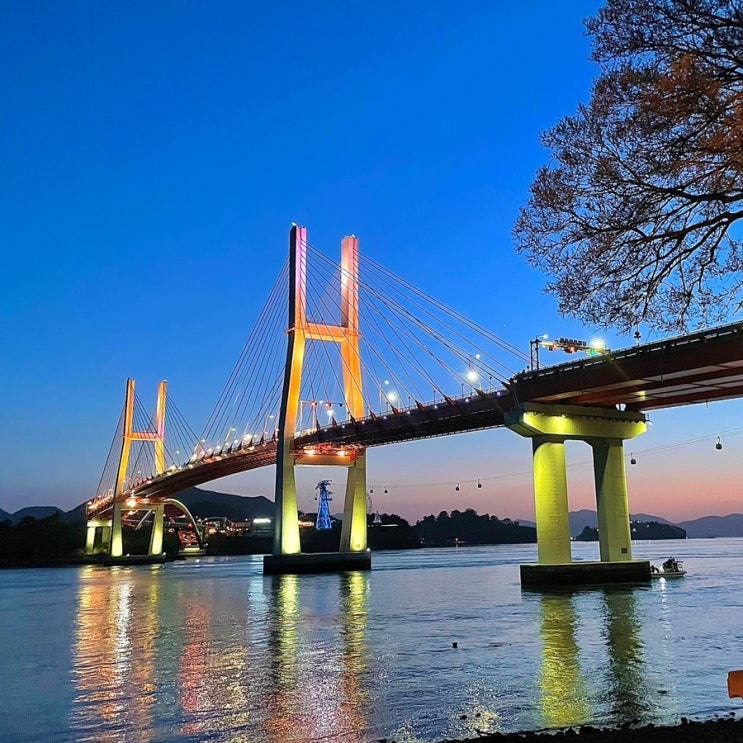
x: 482, y: 411
x: 157, y: 512
x: 702, y: 367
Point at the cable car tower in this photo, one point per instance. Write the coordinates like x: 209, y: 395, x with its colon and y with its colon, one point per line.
x: 377, y: 519
x: 323, y: 510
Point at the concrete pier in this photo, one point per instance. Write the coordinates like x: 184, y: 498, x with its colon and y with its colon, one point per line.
x: 585, y: 574
x: 318, y: 562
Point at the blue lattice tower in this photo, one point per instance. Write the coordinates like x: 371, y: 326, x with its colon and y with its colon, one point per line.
x: 323, y: 510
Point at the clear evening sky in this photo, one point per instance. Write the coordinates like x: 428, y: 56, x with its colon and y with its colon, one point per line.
x: 153, y: 156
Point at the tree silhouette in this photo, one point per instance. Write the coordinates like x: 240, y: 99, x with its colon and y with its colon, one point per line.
x: 633, y: 218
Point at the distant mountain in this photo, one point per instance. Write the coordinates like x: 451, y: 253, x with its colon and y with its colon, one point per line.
x: 203, y: 503
x: 580, y: 519
x: 76, y: 515
x: 200, y: 502
x: 714, y: 526
x: 707, y: 526
x: 35, y: 512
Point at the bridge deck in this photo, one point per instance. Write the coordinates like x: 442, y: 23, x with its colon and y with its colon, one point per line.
x: 700, y: 367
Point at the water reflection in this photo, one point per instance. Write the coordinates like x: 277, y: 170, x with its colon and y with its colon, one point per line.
x: 564, y: 690
x: 317, y: 663
x: 213, y: 650
x: 627, y: 686
x: 218, y: 670
x: 114, y: 671
x: 618, y: 688
x: 152, y: 658
x: 353, y: 708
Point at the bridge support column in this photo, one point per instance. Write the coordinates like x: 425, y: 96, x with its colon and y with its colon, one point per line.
x: 286, y: 518
x: 353, y: 555
x: 549, y: 426
x: 612, y: 505
x: 551, y: 500
x: 117, y: 542
x: 158, y: 528
x: 92, y: 533
x: 353, y: 532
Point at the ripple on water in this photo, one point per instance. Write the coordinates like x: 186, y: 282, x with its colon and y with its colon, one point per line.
x: 211, y: 649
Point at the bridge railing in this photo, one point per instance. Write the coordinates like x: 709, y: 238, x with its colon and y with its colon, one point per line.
x: 702, y: 336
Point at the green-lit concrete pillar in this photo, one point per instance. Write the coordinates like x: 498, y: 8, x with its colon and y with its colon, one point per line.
x: 92, y: 532
x: 612, y: 505
x: 90, y: 539
x: 353, y: 531
x: 158, y: 527
x: 551, y: 500
x: 549, y: 426
x: 117, y: 542
x: 286, y: 520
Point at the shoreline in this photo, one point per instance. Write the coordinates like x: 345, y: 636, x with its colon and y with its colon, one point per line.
x: 717, y: 730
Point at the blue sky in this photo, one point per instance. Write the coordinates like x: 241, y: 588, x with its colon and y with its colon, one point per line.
x: 155, y: 154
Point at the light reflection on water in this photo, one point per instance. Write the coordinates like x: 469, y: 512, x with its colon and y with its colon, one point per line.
x: 212, y: 650
x: 563, y: 685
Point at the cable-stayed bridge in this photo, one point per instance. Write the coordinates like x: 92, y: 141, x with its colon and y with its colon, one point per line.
x: 364, y: 358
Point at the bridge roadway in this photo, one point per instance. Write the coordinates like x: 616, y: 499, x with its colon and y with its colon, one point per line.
x: 699, y: 367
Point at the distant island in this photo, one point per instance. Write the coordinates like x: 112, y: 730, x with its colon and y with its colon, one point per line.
x: 468, y: 527
x: 640, y: 530
x: 706, y: 527
x: 46, y: 535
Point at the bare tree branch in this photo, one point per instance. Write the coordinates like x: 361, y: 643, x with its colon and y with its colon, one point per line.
x: 634, y: 218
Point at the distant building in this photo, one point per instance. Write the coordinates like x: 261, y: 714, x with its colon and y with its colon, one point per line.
x: 257, y: 527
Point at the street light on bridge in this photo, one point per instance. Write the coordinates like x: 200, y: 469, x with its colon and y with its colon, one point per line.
x: 387, y: 394
x: 568, y: 345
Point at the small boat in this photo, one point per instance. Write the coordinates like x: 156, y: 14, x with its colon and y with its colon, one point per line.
x: 671, y: 568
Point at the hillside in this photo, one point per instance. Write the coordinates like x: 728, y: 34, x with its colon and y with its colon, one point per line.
x: 714, y: 526
x: 35, y: 512
x: 469, y: 527
x: 203, y: 503
x: 76, y: 516
x: 704, y: 527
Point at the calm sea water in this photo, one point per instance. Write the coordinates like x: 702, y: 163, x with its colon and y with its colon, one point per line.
x: 211, y: 650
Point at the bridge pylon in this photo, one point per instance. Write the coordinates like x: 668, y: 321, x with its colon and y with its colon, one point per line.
x: 112, y: 530
x: 353, y: 553
x: 605, y: 430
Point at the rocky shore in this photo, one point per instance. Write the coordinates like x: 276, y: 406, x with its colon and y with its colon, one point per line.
x: 726, y: 730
